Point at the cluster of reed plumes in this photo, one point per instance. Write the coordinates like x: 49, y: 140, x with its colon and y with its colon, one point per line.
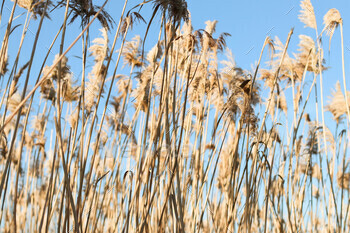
x: 184, y: 142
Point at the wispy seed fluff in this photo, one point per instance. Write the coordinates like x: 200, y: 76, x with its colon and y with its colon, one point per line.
x: 65, y: 69
x: 142, y: 91
x: 308, y: 54
x: 131, y: 52
x: 331, y: 21
x: 37, y: 7
x: 307, y: 14
x: 337, y: 103
x: 13, y: 103
x: 154, y: 54
x: 343, y: 180
x: 69, y: 92
x: 47, y: 88
x: 99, y: 50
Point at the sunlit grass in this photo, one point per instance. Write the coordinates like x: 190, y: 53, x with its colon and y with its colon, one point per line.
x: 183, y: 140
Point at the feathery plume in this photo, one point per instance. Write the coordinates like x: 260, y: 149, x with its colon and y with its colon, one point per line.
x: 99, y: 51
x: 131, y: 52
x: 154, y: 54
x: 85, y: 9
x: 14, y: 101
x: 337, y: 103
x: 177, y: 9
x: 307, y: 14
x: 37, y: 7
x: 343, y: 179
x: 308, y: 55
x: 331, y: 21
x: 69, y: 92
x: 13, y: 87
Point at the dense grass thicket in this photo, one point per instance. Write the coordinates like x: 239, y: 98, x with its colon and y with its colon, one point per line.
x: 176, y: 138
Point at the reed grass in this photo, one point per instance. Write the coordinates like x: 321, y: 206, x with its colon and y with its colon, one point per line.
x: 175, y: 139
